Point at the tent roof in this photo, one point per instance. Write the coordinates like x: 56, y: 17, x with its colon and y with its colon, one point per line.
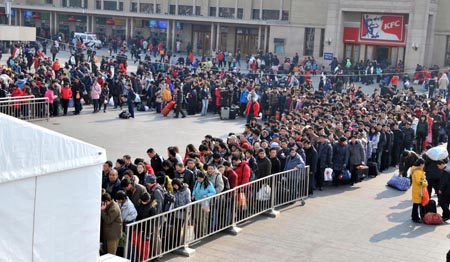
x: 28, y: 150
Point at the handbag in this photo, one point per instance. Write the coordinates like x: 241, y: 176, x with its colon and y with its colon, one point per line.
x: 205, y: 206
x: 264, y: 193
x: 328, y: 174
x: 425, y: 196
x: 190, y: 233
x: 346, y: 175
x: 242, y: 200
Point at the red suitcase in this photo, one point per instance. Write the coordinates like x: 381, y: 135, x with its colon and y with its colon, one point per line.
x: 167, y: 108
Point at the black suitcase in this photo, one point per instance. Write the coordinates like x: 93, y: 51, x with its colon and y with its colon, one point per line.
x: 233, y: 112
x: 373, y: 169
x: 431, y: 207
x: 224, y: 98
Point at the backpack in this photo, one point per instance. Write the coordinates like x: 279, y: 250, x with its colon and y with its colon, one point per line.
x: 226, y: 183
x: 124, y: 115
x: 140, y: 107
x: 169, y: 200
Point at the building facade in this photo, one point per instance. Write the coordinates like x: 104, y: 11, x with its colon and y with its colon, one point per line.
x: 412, y: 31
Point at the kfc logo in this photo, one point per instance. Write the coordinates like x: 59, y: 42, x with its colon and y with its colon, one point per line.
x: 381, y: 28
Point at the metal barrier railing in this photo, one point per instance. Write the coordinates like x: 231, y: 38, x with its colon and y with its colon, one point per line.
x: 26, y: 107
x: 177, y: 229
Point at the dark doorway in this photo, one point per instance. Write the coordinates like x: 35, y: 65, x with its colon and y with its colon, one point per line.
x: 382, y: 54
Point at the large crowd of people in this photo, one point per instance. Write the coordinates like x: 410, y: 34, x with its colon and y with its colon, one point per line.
x: 290, y: 123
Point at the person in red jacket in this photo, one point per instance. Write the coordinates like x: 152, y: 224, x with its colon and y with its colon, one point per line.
x: 242, y: 170
x: 66, y: 94
x: 15, y: 93
x: 252, y: 109
x: 230, y: 174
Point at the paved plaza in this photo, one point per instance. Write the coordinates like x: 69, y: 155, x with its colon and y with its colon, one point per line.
x: 367, y: 222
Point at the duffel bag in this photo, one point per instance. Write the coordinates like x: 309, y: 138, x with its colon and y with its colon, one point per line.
x: 432, y: 219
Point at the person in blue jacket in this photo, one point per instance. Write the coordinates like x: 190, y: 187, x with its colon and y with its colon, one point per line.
x: 243, y: 100
x: 202, y: 189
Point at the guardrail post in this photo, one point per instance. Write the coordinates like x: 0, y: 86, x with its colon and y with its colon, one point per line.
x: 272, y: 212
x: 234, y: 230
x: 186, y: 250
x: 126, y: 242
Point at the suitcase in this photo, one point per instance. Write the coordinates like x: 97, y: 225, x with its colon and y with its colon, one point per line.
x: 430, y: 208
x: 373, y: 169
x: 167, y: 108
x: 224, y: 98
x: 225, y: 113
x: 233, y: 112
x: 362, y: 172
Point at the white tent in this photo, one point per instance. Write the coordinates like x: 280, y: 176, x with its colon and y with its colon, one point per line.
x: 50, y: 190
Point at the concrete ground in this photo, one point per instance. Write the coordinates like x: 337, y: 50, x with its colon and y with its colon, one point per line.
x: 367, y: 222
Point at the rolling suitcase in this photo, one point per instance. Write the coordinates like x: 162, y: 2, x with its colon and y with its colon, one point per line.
x: 167, y: 108
x: 373, y: 169
x: 233, y: 112
x: 225, y: 113
x: 224, y: 98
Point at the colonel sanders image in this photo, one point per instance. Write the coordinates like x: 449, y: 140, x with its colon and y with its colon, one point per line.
x: 373, y: 28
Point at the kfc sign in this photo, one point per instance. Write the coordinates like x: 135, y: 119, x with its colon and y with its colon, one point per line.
x: 386, y: 28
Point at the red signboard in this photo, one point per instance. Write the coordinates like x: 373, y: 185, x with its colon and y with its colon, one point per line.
x: 382, y: 28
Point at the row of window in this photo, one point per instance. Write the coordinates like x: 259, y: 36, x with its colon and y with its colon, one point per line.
x: 148, y: 8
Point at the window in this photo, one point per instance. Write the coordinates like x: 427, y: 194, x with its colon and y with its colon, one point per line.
x: 185, y: 10
x: 148, y: 8
x: 50, y: 2
x: 112, y: 5
x: 278, y: 46
x: 271, y: 14
x: 285, y: 15
x: 76, y: 3
x: 447, y: 55
x: 255, y: 14
x: 212, y: 11
x: 133, y: 7
x: 308, y: 46
x: 322, y: 40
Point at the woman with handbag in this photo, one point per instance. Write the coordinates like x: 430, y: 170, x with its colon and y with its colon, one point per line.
x: 418, y: 183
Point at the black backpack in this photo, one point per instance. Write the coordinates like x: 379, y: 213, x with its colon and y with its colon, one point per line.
x: 226, y: 183
x: 169, y: 200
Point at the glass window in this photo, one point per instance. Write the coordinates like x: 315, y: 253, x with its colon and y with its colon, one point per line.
x: 278, y: 46
x: 240, y: 13
x: 322, y: 40
x: 271, y: 14
x: 308, y: 46
x: 255, y: 14
x: 447, y: 55
x: 212, y: 11
x: 74, y: 3
x: 98, y: 5
x: 285, y: 15
x: 187, y: 10
x: 133, y: 7
x: 148, y: 8
x: 226, y: 12
x: 112, y: 5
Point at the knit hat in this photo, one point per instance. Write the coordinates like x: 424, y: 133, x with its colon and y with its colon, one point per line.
x: 150, y: 179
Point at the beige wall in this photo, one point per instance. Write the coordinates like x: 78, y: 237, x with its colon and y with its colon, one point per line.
x: 293, y: 37
x: 312, y: 12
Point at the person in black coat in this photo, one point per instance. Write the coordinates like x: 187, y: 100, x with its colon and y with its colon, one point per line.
x: 264, y: 164
x: 185, y: 175
x: 155, y: 160
x: 275, y: 162
x: 311, y: 161
x: 325, y: 155
x: 77, y: 93
x: 444, y: 191
x: 192, y: 100
x: 398, y: 145
x: 387, y: 149
x: 381, y: 145
x: 178, y: 103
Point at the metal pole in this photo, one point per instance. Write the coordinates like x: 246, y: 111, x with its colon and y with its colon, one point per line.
x: 281, y: 10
